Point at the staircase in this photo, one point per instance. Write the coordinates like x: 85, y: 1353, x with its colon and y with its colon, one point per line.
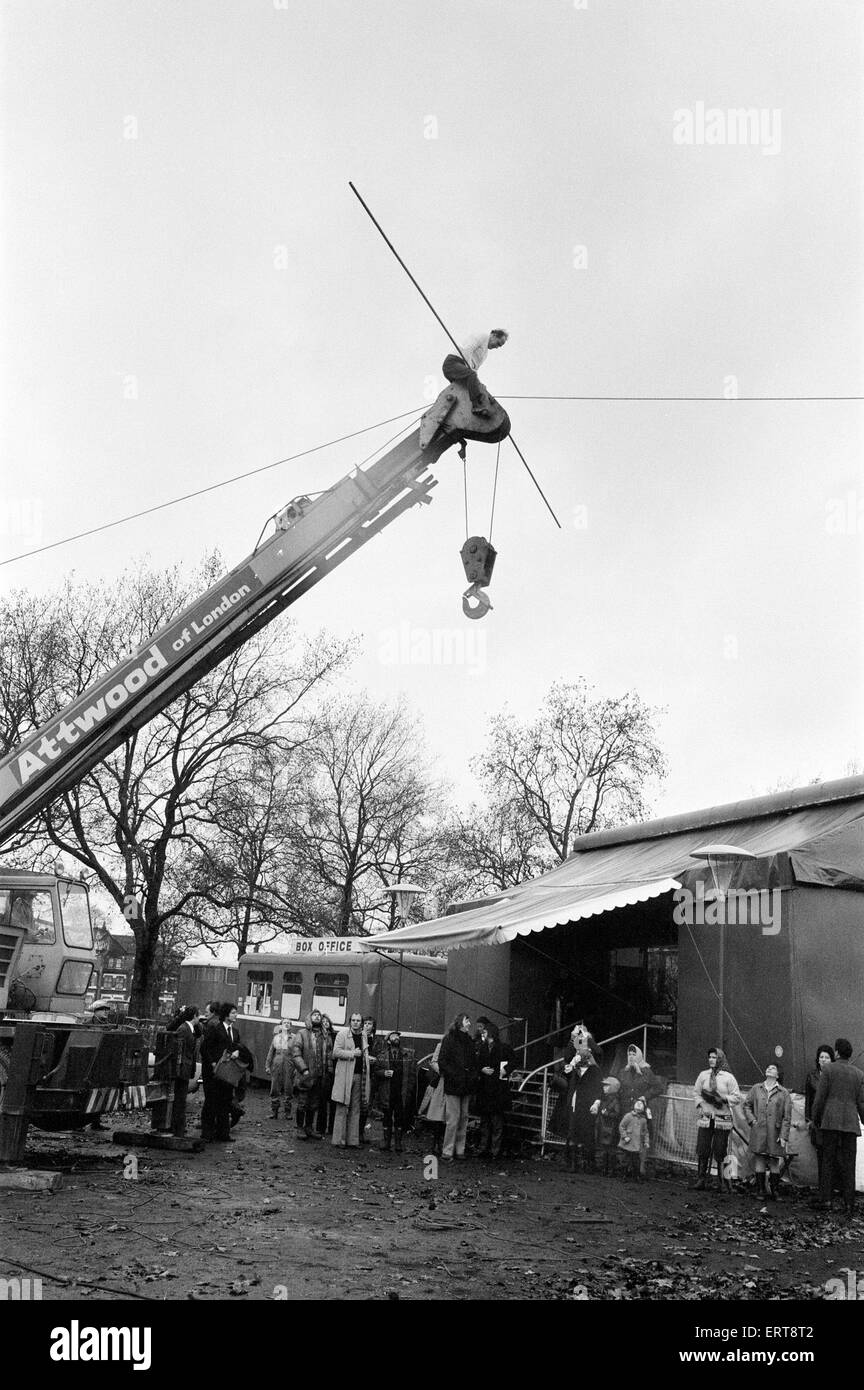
x: 525, y: 1120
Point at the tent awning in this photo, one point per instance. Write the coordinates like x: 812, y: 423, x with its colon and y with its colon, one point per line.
x: 508, y: 918
x: 825, y: 844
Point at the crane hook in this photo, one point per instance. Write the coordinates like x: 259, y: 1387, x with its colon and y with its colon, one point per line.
x: 483, y: 604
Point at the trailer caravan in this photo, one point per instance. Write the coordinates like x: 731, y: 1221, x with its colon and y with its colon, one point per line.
x: 340, y: 976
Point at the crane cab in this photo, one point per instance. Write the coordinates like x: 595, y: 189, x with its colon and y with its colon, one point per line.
x: 46, y: 945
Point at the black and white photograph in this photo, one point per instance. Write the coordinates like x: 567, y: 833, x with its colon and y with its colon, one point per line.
x: 432, y: 672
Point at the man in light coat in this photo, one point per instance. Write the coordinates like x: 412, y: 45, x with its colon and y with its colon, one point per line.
x: 351, y: 1053
x: 837, y: 1109
x: 768, y: 1107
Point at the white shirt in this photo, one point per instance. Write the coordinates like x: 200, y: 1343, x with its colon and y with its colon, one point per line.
x: 475, y: 350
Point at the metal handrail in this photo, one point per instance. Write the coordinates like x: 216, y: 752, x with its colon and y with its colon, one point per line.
x: 639, y: 1027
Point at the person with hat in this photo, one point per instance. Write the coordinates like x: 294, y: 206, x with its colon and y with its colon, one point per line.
x: 633, y: 1144
x: 608, y: 1116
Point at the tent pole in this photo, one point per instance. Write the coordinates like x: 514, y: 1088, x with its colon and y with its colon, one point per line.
x: 721, y: 966
x: 399, y: 990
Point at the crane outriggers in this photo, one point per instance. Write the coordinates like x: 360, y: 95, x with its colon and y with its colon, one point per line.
x: 43, y: 1055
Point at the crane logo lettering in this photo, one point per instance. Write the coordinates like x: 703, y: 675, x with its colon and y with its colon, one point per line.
x: 68, y: 731
x: 168, y: 648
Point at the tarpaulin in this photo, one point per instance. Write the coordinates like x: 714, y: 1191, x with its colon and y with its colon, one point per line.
x: 824, y: 844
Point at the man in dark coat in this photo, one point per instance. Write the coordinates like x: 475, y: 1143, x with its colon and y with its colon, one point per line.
x: 586, y: 1088
x: 492, y: 1097
x: 837, y: 1109
x: 219, y: 1038
x: 395, y: 1077
x: 311, y: 1053
x: 457, y: 1065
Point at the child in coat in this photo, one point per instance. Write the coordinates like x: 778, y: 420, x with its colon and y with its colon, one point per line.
x: 608, y: 1113
x: 634, y: 1142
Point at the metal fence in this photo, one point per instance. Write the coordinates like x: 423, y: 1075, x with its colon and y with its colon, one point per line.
x: 674, y: 1126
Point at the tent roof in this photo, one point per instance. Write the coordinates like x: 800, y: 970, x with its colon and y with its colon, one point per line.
x: 823, y: 836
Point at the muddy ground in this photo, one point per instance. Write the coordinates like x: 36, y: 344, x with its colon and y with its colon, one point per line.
x: 272, y: 1216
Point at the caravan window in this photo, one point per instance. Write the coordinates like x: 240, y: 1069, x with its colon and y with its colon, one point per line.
x: 330, y: 996
x: 259, y: 992
x: 292, y: 993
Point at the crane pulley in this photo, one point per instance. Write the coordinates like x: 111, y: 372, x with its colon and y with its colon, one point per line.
x: 452, y: 414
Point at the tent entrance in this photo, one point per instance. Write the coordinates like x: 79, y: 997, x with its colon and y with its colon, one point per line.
x: 614, y: 972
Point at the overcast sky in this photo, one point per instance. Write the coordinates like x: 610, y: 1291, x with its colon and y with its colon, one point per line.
x: 190, y: 291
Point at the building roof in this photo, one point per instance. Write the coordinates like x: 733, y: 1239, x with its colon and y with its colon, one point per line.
x: 819, y: 829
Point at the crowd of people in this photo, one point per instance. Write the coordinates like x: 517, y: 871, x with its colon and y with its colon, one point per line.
x: 607, y: 1117
x: 332, y: 1081
x: 469, y: 1071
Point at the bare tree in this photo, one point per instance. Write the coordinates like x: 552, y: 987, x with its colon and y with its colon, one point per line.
x: 249, y: 885
x: 131, y: 820
x: 489, y: 849
x: 366, y: 798
x: 583, y: 764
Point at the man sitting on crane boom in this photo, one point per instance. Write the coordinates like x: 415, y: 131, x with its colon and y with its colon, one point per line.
x: 474, y: 352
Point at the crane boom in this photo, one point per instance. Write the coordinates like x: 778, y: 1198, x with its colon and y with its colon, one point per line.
x: 311, y: 539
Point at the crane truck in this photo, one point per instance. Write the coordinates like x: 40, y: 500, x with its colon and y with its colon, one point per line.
x: 55, y: 1071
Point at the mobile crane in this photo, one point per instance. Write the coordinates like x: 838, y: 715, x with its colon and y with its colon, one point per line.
x: 55, y: 1072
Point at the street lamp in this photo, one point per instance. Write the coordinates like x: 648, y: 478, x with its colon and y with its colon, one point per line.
x: 402, y: 896
x: 403, y: 893
x: 722, y: 860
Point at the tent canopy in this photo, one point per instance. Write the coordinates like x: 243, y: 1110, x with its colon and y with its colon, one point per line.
x: 824, y: 839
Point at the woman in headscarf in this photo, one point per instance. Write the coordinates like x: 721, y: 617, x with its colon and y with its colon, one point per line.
x: 715, y: 1092
x: 639, y: 1082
